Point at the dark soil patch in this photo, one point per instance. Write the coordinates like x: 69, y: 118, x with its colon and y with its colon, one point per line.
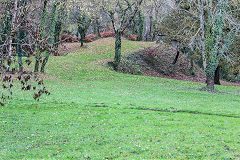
x: 158, y: 62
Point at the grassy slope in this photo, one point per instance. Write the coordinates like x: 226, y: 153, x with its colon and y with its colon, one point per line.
x: 96, y: 113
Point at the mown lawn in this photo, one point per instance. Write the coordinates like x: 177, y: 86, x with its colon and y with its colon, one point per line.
x: 95, y: 113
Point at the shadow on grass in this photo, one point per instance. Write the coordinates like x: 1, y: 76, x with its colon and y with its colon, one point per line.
x: 186, y: 111
x: 173, y: 110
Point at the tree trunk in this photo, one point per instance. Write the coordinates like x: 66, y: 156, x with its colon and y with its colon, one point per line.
x: 6, y: 30
x: 210, y: 82
x: 58, y: 29
x: 203, y: 40
x: 36, y: 68
x: 176, y: 58
x: 19, y: 54
x: 12, y: 28
x: 118, y: 43
x: 82, y: 34
x: 82, y: 42
x: 43, y: 23
x: 51, y: 34
x: 97, y: 28
x: 94, y: 25
x: 21, y: 37
x: 191, y: 70
x: 134, y: 30
x: 45, y: 60
x: 141, y: 25
x: 217, y: 76
x: 150, y: 28
x: 210, y: 70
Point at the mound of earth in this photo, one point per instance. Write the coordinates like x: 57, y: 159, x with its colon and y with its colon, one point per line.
x: 158, y: 62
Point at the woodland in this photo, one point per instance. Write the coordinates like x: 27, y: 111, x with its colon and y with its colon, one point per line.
x: 119, y: 79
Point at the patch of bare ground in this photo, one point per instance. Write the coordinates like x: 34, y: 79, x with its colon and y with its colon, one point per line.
x: 158, y: 62
x: 71, y: 47
x: 104, y: 41
x: 229, y: 83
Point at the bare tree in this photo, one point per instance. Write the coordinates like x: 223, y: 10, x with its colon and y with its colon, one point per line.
x: 209, y: 27
x: 20, y: 35
x: 121, y: 14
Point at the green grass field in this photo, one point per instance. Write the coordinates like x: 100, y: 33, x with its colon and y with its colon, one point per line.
x: 96, y: 113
